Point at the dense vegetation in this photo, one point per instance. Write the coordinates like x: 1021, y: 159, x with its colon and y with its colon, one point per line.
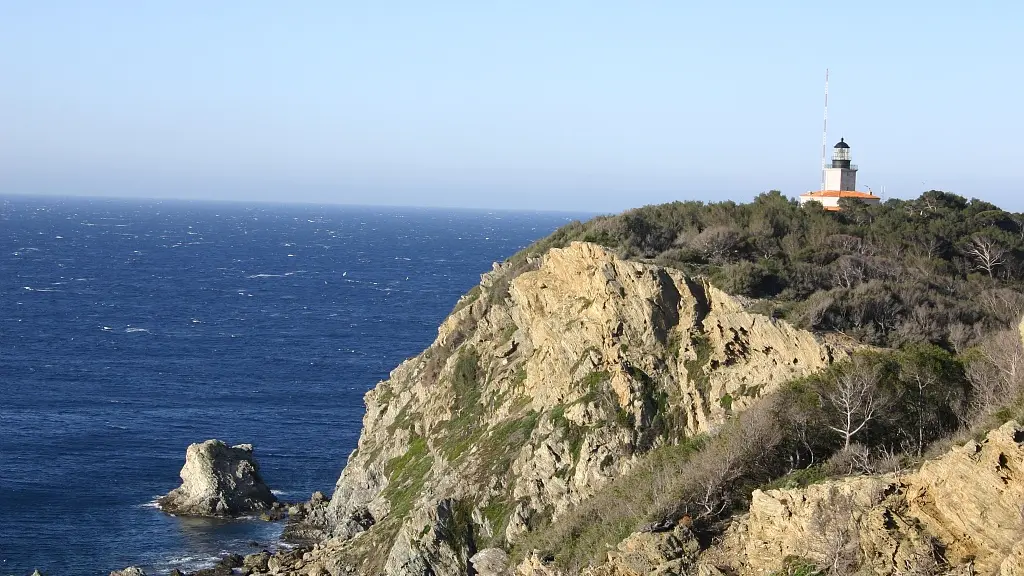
x: 940, y: 269
x: 933, y: 283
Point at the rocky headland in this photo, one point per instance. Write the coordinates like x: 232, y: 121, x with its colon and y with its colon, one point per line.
x: 581, y: 412
x: 548, y: 381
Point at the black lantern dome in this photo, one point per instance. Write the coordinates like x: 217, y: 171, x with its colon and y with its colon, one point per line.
x: 841, y: 155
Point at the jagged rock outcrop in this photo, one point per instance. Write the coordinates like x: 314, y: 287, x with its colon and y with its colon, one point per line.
x: 553, y: 377
x: 960, y: 514
x: 219, y: 480
x: 961, y: 510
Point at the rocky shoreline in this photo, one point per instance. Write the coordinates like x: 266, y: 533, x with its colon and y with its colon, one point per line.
x: 301, y: 533
x: 221, y: 481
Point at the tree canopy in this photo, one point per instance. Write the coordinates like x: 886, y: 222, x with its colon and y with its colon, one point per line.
x: 938, y: 269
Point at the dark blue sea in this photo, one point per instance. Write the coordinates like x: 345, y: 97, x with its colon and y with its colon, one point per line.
x: 129, y: 329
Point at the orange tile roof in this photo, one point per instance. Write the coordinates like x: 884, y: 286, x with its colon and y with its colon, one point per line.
x: 840, y: 194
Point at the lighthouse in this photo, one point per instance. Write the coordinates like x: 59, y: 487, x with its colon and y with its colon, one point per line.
x: 840, y: 181
x: 842, y: 175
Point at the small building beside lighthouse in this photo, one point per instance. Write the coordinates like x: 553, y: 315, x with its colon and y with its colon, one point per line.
x: 840, y: 182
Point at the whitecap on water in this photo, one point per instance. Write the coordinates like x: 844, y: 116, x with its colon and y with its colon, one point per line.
x: 192, y: 563
x: 132, y: 329
x: 151, y: 504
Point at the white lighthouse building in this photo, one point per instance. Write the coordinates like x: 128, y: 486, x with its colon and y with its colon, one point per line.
x: 840, y: 182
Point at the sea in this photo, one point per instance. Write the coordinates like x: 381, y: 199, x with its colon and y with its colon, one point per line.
x: 132, y: 328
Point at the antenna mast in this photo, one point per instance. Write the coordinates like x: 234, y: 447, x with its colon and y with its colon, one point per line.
x: 824, y: 133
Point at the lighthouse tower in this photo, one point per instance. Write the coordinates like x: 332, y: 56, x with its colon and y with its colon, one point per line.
x: 842, y: 175
x: 840, y: 182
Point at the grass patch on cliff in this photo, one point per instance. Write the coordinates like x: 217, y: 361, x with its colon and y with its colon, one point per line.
x: 584, y: 535
x: 465, y: 382
x: 493, y: 456
x: 495, y: 449
x: 506, y: 334
x: 463, y: 428
x: 572, y: 433
x: 695, y: 367
x: 465, y: 431
x: 406, y: 475
x: 519, y: 377
x: 496, y: 514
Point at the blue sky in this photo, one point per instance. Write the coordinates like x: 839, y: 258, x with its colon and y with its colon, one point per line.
x: 591, y: 105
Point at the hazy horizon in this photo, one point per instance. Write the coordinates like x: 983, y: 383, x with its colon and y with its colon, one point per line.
x: 587, y: 107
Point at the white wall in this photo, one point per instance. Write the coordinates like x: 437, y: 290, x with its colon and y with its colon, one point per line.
x: 840, y: 179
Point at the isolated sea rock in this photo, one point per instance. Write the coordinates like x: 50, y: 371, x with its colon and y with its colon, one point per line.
x: 129, y: 571
x: 219, y: 480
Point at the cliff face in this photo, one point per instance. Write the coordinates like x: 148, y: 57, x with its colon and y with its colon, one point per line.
x: 545, y: 383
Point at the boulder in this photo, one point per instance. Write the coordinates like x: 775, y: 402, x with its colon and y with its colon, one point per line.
x: 491, y: 562
x: 232, y: 561
x: 257, y: 562
x: 219, y: 480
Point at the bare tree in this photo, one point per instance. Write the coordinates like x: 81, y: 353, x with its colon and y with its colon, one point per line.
x: 716, y: 244
x: 996, y: 376
x: 987, y: 254
x: 1004, y: 304
x: 930, y: 244
x: 857, y: 399
x: 848, y: 271
x: 924, y: 381
x: 744, y: 449
x: 961, y: 336
x: 834, y: 538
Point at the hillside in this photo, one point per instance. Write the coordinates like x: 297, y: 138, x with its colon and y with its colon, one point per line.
x: 598, y: 404
x: 938, y: 269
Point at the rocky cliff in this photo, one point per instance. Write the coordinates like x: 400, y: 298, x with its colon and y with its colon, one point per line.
x: 551, y: 378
